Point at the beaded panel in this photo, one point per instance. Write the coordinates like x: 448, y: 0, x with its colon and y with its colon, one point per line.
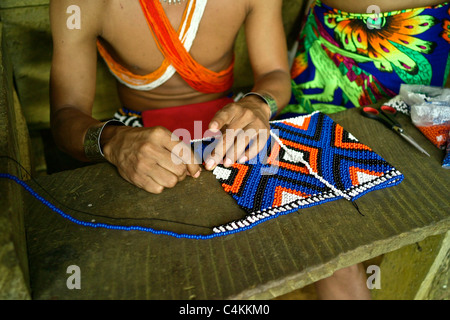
x: 308, y: 161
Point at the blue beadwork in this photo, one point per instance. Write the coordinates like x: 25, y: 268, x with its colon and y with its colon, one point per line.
x: 257, y: 194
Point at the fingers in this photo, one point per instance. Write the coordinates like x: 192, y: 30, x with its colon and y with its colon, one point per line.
x: 142, y: 181
x: 153, y: 178
x: 182, y: 154
x: 255, y: 147
x: 232, y: 115
x: 230, y: 147
x: 148, y: 162
x: 237, y: 146
x: 242, y: 127
x: 176, y: 161
x: 222, y: 118
x: 225, y: 143
x: 237, y: 150
x: 248, y: 145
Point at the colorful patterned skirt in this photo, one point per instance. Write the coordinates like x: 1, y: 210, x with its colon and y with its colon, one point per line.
x: 348, y: 60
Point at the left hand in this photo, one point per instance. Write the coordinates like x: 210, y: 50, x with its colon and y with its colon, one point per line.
x: 241, y: 123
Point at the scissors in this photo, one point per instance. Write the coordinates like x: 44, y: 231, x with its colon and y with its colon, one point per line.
x: 385, y: 114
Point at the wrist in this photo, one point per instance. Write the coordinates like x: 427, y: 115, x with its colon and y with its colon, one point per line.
x: 94, y: 140
x: 270, y: 103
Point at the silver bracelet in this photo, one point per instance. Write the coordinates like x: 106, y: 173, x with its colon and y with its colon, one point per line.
x: 267, y: 99
x: 92, y: 146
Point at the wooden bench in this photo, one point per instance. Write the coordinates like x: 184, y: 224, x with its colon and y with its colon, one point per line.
x: 265, y: 262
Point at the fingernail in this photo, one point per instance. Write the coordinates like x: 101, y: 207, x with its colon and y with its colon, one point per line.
x: 214, y: 126
x: 243, y: 159
x: 210, y: 164
x: 228, y: 162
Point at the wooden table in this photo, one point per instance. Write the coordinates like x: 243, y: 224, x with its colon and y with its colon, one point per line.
x: 267, y: 261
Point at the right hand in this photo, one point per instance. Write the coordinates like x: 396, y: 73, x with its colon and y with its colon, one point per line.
x: 147, y: 157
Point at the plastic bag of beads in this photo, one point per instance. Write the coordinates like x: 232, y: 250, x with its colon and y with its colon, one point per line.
x: 413, y: 94
x: 433, y: 120
x: 399, y: 104
x: 429, y: 110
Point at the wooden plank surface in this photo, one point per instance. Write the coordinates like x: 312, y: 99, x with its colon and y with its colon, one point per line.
x: 14, y: 280
x: 267, y: 261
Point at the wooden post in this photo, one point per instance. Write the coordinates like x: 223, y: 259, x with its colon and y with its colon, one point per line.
x: 419, y: 271
x: 14, y: 278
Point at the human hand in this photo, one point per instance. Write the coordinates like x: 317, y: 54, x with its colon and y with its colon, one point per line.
x: 150, y: 158
x: 244, y: 123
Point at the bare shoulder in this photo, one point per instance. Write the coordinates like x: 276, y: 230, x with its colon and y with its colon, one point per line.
x: 85, y: 16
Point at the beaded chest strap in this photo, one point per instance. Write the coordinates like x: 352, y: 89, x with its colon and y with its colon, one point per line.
x: 309, y: 160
